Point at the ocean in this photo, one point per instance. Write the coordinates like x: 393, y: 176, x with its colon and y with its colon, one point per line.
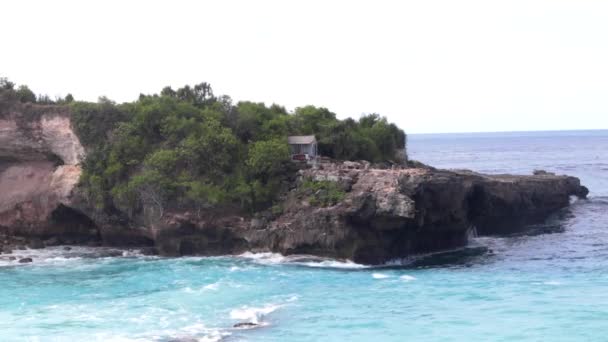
x: 546, y: 283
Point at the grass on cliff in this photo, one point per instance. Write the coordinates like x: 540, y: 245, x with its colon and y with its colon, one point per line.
x: 322, y: 193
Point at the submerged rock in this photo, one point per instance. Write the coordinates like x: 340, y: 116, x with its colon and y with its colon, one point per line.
x: 25, y: 260
x: 245, y: 325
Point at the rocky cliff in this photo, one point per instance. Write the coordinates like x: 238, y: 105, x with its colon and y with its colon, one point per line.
x: 384, y: 214
x: 40, y: 158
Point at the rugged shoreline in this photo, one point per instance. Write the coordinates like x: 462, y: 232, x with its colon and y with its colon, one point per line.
x: 384, y: 214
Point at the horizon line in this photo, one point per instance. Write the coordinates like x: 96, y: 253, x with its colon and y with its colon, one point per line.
x: 517, y: 131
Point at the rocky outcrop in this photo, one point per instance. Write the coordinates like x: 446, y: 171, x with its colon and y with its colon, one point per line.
x: 385, y: 213
x: 389, y: 214
x: 40, y: 158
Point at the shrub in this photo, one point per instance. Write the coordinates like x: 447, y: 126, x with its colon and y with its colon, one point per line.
x: 322, y: 193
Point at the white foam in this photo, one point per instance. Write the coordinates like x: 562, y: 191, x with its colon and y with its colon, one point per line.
x: 264, y: 258
x: 407, y: 277
x: 268, y: 258
x: 253, y: 314
x: 132, y: 253
x: 293, y: 298
x: 334, y: 264
x: 214, y: 336
x: 209, y: 287
x: 194, y: 332
x: 552, y: 282
x: 212, y: 287
x: 58, y: 255
x: 380, y: 276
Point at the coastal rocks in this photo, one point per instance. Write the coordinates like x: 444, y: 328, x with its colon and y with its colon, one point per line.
x: 394, y: 213
x: 193, y: 234
x: 25, y: 260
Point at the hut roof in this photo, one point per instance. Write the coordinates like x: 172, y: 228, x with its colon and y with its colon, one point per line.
x: 301, y: 139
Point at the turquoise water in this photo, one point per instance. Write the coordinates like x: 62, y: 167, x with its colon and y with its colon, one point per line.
x: 547, y: 283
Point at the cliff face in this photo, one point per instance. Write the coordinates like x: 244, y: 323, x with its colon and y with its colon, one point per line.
x: 39, y: 168
x: 385, y: 214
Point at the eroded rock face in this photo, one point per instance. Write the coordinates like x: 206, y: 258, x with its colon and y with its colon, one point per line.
x: 40, y: 158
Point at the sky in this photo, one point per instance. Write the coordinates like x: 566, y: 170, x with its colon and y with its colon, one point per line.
x: 430, y: 66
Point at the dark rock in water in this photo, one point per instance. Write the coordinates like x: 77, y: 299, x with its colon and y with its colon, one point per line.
x: 67, y: 248
x: 21, y: 247
x: 245, y: 325
x: 12, y: 258
x: 52, y: 242
x: 457, y: 257
x: 36, y: 244
x: 25, y: 260
x: 94, y: 244
x: 109, y: 253
x: 149, y: 251
x: 299, y: 258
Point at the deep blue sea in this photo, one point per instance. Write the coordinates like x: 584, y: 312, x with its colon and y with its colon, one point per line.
x: 547, y: 283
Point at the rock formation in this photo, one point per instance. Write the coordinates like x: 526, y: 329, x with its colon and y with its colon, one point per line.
x: 385, y: 214
x: 39, y: 168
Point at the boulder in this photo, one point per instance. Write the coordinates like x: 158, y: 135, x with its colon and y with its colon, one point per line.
x: 36, y: 244
x: 25, y: 260
x: 54, y: 241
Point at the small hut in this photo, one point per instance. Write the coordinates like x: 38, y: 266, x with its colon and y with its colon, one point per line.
x: 303, y: 147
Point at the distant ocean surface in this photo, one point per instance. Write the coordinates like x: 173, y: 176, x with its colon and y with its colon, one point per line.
x: 548, y: 283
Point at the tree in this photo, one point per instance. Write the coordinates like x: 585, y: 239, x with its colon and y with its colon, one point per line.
x: 267, y: 165
x: 24, y: 94
x: 313, y: 120
x: 168, y: 91
x: 5, y: 84
x: 199, y: 95
x: 268, y: 158
x: 44, y: 99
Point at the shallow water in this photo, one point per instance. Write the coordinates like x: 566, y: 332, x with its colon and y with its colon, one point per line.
x: 549, y: 282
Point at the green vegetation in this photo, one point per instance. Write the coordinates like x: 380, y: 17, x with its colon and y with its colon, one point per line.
x: 9, y: 94
x: 322, y: 193
x: 190, y: 149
